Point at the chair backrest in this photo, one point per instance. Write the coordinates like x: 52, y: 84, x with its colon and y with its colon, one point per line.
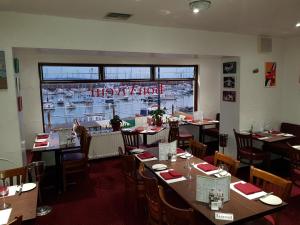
x: 129, y: 166
x: 231, y: 163
x: 174, y: 131
x: 243, y: 141
x: 16, y: 221
x: 130, y: 139
x: 152, y: 197
x: 18, y: 173
x: 270, y: 182
x: 198, y: 149
x: 174, y: 215
x: 294, y: 156
x: 81, y: 132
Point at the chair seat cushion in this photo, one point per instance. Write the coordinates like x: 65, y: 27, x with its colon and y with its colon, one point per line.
x: 73, y: 156
x: 253, y: 153
x: 214, y: 132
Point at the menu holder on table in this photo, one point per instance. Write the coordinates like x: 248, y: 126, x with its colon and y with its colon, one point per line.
x: 204, y: 184
x: 251, y: 195
x: 164, y: 149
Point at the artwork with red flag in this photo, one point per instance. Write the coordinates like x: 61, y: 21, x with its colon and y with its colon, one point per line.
x: 270, y: 74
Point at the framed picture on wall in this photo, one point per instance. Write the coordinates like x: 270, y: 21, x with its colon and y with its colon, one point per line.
x: 270, y: 74
x: 229, y: 67
x: 229, y: 82
x: 3, y: 77
x: 229, y: 96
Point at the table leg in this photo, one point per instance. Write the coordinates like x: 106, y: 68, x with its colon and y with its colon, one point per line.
x: 58, y: 171
x: 145, y: 139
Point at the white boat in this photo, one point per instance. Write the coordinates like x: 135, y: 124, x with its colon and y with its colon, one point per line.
x: 168, y: 97
x: 60, y: 101
x: 87, y: 99
x: 69, y: 94
x: 59, y: 91
x: 70, y: 105
x: 48, y: 106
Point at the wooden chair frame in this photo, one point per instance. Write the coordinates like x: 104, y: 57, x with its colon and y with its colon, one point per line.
x: 174, y: 215
x: 19, y: 173
x: 131, y: 139
x: 231, y: 163
x: 294, y: 156
x: 198, y: 149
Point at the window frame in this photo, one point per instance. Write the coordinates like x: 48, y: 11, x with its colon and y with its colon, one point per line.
x: 101, y: 77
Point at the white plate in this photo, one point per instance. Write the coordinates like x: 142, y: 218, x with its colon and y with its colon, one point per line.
x: 288, y: 135
x: 271, y: 200
x: 28, y: 186
x: 159, y: 166
x: 137, y: 151
x: 296, y: 147
x: 185, y: 156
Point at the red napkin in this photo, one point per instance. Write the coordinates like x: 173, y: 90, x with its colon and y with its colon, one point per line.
x: 156, y: 128
x: 179, y: 150
x: 189, y: 118
x: 247, y: 188
x: 207, y: 167
x: 257, y: 135
x: 41, y: 144
x: 146, y: 155
x: 170, y: 175
x: 42, y: 136
x: 139, y: 129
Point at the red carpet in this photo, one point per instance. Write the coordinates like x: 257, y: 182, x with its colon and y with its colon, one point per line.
x: 100, y: 199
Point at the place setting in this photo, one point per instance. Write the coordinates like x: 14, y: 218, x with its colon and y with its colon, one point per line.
x: 171, y: 176
x: 146, y: 156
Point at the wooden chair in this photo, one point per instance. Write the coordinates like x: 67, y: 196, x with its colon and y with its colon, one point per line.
x: 174, y: 215
x: 198, y: 149
x: 132, y: 181
x: 294, y: 157
x: 130, y: 140
x: 270, y: 182
x: 76, y: 162
x: 17, y: 174
x: 181, y: 137
x: 213, y: 131
x: 231, y: 163
x: 246, y: 153
x: 16, y: 221
x: 155, y: 215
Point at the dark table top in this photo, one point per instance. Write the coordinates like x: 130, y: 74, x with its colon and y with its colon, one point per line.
x: 242, y: 208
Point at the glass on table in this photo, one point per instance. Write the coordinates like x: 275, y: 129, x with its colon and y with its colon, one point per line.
x: 222, y: 169
x: 3, y: 192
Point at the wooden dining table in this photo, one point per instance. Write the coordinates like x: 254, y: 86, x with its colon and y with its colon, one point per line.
x: 56, y: 147
x: 269, y: 137
x: 24, y: 204
x: 201, y: 124
x: 243, y: 209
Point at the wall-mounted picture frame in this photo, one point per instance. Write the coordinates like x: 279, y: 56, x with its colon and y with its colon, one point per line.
x: 229, y: 82
x: 229, y: 67
x: 3, y: 75
x: 270, y: 74
x: 229, y: 96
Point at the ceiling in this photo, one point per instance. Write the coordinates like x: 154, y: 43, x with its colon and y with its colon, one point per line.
x: 259, y: 17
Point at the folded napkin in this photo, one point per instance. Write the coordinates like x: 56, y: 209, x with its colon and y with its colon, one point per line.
x: 170, y: 175
x: 257, y: 135
x: 146, y: 155
x: 41, y: 144
x: 42, y: 136
x: 179, y: 151
x: 189, y: 118
x: 138, y: 129
x: 247, y: 188
x: 156, y: 128
x: 207, y: 167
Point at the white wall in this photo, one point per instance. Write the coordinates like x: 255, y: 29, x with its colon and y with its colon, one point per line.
x: 36, y: 31
x: 291, y: 82
x: 209, y: 78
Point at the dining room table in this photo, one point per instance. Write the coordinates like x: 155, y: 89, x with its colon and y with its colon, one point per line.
x: 242, y: 208
x: 201, y: 124
x: 53, y: 144
x: 148, y: 130
x: 23, y: 203
x: 272, y: 136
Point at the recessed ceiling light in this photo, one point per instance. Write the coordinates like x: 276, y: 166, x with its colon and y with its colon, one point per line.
x: 199, y: 5
x: 298, y: 24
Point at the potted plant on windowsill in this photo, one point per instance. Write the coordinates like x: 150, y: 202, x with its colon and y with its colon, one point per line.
x: 115, y: 123
x: 157, y: 116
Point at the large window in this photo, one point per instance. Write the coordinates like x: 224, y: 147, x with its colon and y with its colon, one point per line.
x: 90, y: 93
